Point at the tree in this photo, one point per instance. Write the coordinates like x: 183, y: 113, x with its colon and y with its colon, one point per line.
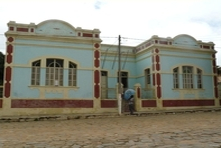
x: 2, y: 62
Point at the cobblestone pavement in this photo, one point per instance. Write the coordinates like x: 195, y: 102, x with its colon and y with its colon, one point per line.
x: 188, y: 130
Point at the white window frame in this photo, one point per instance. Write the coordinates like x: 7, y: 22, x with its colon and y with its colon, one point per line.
x: 35, y: 73
x: 176, y: 78
x: 187, y: 77
x: 72, y: 74
x: 54, y: 73
x: 199, y: 79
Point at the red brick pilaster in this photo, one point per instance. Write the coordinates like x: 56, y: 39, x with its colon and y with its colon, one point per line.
x: 8, y: 68
x: 96, y: 71
x: 156, y: 73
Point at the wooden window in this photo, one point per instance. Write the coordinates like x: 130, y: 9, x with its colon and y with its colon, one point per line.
x: 176, y: 77
x: 187, y: 77
x: 72, y: 74
x: 35, y: 72
x: 199, y: 78
x: 54, y: 72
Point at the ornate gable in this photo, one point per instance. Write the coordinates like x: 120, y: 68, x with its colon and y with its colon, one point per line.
x: 185, y: 40
x: 55, y: 27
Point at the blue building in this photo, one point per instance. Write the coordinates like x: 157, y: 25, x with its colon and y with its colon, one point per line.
x: 55, y: 68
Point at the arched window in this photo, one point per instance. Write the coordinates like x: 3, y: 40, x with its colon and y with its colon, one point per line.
x: 176, y: 77
x: 187, y: 77
x: 54, y: 72
x: 35, y: 72
x: 199, y: 78
x: 72, y: 74
x: 190, y: 76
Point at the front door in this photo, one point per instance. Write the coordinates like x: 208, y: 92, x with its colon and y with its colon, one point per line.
x: 103, y: 85
x: 124, y: 81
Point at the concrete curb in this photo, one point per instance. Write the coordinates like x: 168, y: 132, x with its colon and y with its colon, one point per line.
x: 93, y: 116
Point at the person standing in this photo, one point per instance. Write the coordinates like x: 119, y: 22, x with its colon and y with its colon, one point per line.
x: 131, y: 104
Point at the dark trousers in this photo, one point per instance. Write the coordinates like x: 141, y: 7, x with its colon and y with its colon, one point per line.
x: 131, y: 108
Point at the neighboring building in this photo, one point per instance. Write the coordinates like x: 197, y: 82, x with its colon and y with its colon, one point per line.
x: 55, y: 68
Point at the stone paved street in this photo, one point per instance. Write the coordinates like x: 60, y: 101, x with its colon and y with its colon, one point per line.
x: 188, y: 130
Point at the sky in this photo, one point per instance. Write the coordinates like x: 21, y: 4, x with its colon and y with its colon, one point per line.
x: 135, y: 20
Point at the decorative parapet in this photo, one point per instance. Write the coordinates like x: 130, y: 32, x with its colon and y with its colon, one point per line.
x: 155, y: 40
x: 15, y: 27
x: 31, y: 28
x: 95, y: 33
x: 203, y: 45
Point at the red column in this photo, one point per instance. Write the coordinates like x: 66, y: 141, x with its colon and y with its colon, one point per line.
x: 157, y: 74
x: 96, y: 72
x: 8, y: 69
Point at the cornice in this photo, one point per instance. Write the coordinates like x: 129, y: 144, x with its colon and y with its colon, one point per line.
x: 176, y: 49
x: 34, y: 36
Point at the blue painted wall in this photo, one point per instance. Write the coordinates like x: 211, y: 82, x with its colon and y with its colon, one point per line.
x: 179, y: 59
x: 53, y: 40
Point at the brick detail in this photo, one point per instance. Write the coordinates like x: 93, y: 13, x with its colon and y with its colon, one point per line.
x: 87, y: 35
x: 11, y: 28
x: 182, y: 103
x: 96, y: 45
x: 156, y: 74
x: 108, y: 103
x: 22, y: 29
x: 7, y: 88
x: 8, y: 69
x: 51, y: 103
x: 96, y: 72
x: 96, y: 58
x: 9, y: 54
x: 96, y: 83
x: 138, y: 92
x: 149, y: 103
x: 10, y: 39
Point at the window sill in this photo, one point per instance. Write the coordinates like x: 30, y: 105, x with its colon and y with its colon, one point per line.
x: 54, y: 87
x: 192, y: 89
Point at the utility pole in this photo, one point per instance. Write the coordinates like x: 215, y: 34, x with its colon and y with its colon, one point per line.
x: 119, y: 78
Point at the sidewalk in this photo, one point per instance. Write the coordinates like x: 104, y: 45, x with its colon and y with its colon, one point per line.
x: 103, y: 115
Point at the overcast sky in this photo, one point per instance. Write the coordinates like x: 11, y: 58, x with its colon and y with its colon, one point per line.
x: 135, y: 19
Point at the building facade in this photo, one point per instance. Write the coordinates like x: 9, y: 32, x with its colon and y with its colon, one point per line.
x: 55, y: 68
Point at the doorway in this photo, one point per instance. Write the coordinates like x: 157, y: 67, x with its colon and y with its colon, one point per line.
x: 104, y: 85
x: 124, y: 81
